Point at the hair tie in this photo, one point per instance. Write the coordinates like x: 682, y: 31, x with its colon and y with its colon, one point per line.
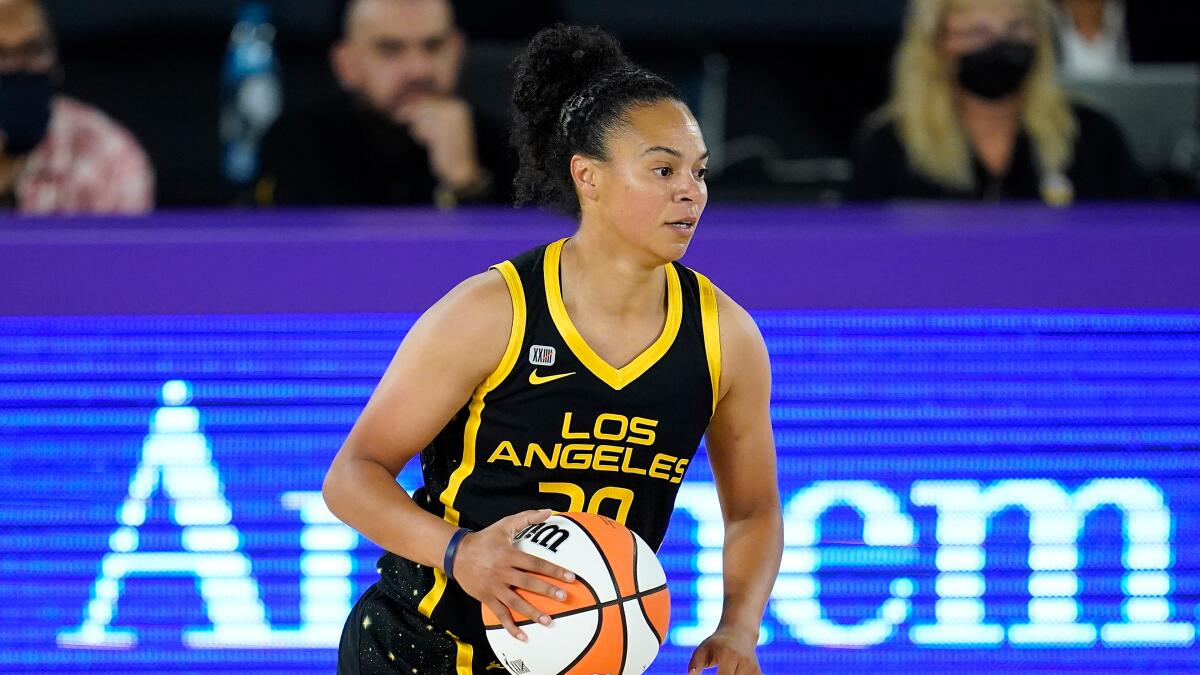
x: 579, y: 105
x: 571, y: 108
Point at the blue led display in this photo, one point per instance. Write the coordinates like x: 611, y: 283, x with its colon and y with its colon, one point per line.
x: 963, y: 491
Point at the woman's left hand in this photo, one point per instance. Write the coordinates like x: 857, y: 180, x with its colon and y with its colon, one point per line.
x: 731, y: 652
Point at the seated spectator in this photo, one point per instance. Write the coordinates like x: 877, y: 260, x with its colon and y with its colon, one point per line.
x: 1100, y: 37
x: 399, y: 134
x: 975, y: 114
x: 1091, y: 37
x: 57, y: 154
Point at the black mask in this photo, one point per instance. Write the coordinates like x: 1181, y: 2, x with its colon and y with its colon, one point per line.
x: 997, y: 70
x: 25, y: 110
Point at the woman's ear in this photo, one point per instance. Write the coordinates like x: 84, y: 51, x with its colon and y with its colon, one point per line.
x: 586, y: 176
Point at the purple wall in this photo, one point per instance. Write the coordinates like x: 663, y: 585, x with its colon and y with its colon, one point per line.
x: 1098, y: 257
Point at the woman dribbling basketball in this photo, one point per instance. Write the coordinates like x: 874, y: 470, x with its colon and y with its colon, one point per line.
x: 579, y: 376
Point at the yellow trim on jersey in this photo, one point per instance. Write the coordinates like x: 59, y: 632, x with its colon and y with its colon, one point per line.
x: 464, y: 657
x: 516, y: 336
x: 617, y: 378
x: 712, y: 333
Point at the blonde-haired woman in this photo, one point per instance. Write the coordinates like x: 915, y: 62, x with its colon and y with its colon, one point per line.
x: 975, y: 114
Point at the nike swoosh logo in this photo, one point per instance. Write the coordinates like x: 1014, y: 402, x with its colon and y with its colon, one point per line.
x: 536, y: 379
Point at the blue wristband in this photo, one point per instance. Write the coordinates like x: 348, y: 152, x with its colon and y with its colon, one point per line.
x: 452, y: 550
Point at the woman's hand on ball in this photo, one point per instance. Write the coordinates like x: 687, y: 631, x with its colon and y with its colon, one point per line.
x: 490, y: 569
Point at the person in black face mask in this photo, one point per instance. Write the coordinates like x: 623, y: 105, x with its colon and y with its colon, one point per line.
x: 58, y: 154
x: 975, y: 114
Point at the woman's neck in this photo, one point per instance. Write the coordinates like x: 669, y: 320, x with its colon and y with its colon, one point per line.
x: 992, y: 128
x: 599, y: 271
x: 1087, y: 16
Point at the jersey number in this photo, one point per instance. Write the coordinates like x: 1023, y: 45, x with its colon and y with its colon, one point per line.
x: 622, y: 496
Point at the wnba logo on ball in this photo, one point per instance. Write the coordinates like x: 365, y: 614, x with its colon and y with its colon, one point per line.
x: 546, y: 534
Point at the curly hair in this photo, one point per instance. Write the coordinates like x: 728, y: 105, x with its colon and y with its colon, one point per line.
x: 573, y: 87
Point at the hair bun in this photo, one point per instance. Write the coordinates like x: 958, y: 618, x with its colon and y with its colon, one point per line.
x: 560, y: 61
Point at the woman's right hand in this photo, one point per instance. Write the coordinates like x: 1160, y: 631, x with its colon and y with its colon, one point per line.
x: 490, y: 569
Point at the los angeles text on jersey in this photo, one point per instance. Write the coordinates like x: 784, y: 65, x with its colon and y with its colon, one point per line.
x: 607, y: 444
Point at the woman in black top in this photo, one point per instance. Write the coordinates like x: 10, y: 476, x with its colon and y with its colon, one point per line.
x: 603, y: 336
x: 975, y: 114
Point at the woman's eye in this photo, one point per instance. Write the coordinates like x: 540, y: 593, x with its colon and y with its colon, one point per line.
x: 702, y: 174
x: 663, y: 171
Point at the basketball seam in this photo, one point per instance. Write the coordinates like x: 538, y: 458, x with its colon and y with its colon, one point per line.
x: 621, y: 607
x: 616, y: 592
x: 607, y: 565
x: 595, y: 633
x: 599, y: 605
x: 569, y: 612
x: 641, y: 605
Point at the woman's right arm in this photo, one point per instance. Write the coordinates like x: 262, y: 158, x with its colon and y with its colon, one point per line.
x: 451, y: 349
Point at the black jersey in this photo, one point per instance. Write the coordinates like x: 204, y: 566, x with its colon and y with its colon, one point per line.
x: 555, y: 426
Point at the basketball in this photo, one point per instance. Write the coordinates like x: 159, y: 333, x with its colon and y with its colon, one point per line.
x: 615, y: 615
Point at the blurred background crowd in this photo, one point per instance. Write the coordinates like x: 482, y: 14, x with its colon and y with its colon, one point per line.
x: 123, y: 107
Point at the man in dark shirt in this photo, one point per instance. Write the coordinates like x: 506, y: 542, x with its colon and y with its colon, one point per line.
x: 399, y: 134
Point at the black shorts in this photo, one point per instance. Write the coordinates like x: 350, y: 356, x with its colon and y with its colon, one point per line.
x: 383, y: 635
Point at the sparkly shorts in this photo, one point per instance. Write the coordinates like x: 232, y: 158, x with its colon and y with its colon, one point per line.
x: 383, y: 635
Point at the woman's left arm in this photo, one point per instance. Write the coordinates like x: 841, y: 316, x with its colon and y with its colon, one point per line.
x: 741, y: 450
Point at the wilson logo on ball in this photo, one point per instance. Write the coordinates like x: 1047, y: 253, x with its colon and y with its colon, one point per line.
x: 544, y: 534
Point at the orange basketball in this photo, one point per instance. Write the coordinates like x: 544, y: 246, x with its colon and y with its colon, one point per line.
x: 615, y: 615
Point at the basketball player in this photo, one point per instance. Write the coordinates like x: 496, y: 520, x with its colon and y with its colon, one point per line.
x: 579, y: 376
